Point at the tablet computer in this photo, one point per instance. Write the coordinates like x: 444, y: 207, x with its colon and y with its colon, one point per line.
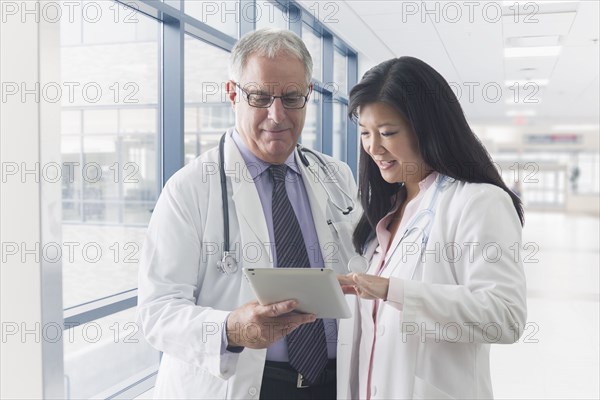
x: 316, y: 289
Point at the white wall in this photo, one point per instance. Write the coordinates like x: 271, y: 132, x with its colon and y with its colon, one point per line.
x: 24, y: 371
x: 21, y: 372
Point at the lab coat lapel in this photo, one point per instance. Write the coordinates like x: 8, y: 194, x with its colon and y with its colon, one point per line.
x: 317, y: 197
x: 247, y: 202
x: 407, y: 256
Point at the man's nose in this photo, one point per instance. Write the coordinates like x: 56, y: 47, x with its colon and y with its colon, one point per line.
x: 277, y: 111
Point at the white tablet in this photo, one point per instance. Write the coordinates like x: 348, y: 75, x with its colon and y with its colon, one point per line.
x: 316, y: 289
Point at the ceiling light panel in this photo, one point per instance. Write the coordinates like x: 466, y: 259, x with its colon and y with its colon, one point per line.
x: 543, y: 51
x: 535, y: 24
x: 533, y: 41
x: 523, y: 82
x: 521, y: 113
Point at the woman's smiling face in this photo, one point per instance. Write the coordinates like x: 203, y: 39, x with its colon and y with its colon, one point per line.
x: 391, y: 143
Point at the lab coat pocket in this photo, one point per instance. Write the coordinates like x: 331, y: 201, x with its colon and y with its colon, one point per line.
x: 423, y: 390
x: 178, y: 379
x: 342, y: 234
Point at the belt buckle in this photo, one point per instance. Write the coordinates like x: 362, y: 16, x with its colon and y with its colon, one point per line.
x: 300, y: 382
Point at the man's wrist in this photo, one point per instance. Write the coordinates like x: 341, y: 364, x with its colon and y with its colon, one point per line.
x: 230, y: 345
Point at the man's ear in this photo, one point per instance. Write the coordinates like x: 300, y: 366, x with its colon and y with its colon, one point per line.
x: 231, y: 93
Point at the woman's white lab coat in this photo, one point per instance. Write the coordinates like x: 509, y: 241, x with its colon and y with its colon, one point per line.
x: 183, y: 296
x: 468, y: 293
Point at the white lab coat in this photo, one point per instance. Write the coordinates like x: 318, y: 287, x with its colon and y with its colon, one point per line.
x: 418, y: 351
x: 184, y: 298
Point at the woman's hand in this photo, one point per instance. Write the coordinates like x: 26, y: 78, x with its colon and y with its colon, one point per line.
x: 365, y: 286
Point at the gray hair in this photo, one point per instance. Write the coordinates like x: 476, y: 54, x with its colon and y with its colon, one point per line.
x: 268, y: 42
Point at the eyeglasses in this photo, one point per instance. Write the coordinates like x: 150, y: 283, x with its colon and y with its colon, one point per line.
x: 260, y: 100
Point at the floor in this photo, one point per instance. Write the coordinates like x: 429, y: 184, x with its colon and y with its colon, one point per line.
x: 558, y: 355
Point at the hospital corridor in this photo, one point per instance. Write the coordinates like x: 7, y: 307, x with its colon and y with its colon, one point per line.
x: 134, y: 202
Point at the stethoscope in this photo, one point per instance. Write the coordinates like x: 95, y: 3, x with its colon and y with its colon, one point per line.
x: 228, y: 264
x: 359, y: 264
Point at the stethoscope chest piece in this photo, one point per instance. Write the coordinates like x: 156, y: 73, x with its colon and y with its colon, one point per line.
x: 228, y: 265
x: 358, y: 264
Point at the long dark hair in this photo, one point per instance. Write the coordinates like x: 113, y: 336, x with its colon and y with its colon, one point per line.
x: 446, y: 143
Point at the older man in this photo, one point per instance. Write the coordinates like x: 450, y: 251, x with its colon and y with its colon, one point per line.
x: 194, y: 304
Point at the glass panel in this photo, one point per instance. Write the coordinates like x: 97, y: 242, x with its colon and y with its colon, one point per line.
x: 560, y: 181
x: 141, y: 120
x: 339, y: 130
x: 313, y: 43
x: 584, y: 175
x: 268, y: 15
x: 340, y: 72
x: 71, y: 211
x: 138, y: 177
x: 107, y: 353
x: 98, y: 261
x: 70, y: 122
x: 108, y: 146
x: 221, y: 15
x: 312, y: 124
x: 208, y: 113
x: 98, y: 174
x: 71, y: 167
x: 101, y: 121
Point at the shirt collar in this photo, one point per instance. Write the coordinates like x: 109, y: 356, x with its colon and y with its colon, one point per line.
x: 255, y: 165
x: 423, y: 186
x: 428, y: 181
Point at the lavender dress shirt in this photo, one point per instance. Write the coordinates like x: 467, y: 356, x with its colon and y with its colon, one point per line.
x: 257, y: 169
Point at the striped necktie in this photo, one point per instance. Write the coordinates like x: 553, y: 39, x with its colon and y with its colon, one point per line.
x: 307, y: 348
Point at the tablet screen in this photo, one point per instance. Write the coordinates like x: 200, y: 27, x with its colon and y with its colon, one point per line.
x: 316, y: 289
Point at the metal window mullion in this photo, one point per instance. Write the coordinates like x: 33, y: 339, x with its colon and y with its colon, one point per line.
x: 159, y: 10
x: 137, y: 388
x: 81, y: 161
x: 351, y: 128
x: 246, y: 25
x: 172, y: 101
x: 120, y: 189
x: 295, y: 19
x: 158, y: 185
x: 101, y: 312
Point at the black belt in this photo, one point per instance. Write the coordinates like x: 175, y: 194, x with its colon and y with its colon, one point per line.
x: 283, y: 371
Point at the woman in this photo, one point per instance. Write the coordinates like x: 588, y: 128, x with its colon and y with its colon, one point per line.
x: 440, y: 231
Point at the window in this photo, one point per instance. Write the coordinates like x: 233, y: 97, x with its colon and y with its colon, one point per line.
x: 340, y: 129
x: 539, y: 178
x: 584, y: 175
x: 313, y: 43
x: 270, y: 15
x: 340, y: 72
x: 548, y: 190
x: 221, y: 15
x: 208, y: 113
x: 312, y: 124
x: 109, y: 151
